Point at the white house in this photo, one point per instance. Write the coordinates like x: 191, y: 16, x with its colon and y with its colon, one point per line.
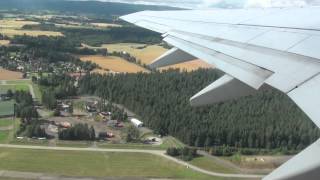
x: 136, y: 122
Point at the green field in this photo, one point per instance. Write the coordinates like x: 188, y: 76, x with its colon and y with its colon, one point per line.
x: 5, y: 88
x: 211, y: 165
x: 5, y: 122
x: 4, y: 136
x: 94, y: 164
x: 6, y: 108
x: 23, y: 84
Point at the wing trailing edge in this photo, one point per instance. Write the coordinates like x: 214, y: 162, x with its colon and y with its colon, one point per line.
x: 223, y: 89
x: 173, y: 56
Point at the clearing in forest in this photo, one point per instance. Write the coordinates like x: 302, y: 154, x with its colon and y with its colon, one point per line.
x: 113, y: 64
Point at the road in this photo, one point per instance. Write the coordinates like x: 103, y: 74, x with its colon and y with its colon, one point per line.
x: 154, y: 152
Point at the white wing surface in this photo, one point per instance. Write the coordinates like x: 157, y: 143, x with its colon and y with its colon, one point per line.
x: 254, y: 47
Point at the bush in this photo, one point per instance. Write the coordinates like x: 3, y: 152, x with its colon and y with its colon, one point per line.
x: 186, y: 153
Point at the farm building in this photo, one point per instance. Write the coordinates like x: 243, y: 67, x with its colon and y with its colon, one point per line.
x: 136, y: 122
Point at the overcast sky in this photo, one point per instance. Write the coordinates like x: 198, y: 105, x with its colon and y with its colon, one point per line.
x: 196, y: 4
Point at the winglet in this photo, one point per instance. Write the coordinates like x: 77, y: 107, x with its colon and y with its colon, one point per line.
x: 225, y: 88
x: 173, y: 56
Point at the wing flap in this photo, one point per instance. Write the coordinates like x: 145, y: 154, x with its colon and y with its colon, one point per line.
x: 173, y: 56
x: 252, y: 75
x: 307, y: 97
x: 225, y: 88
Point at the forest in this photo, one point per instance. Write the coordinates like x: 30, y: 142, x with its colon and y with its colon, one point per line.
x: 96, y: 37
x: 95, y: 8
x: 267, y: 120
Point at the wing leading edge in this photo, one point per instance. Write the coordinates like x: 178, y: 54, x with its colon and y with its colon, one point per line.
x: 255, y: 48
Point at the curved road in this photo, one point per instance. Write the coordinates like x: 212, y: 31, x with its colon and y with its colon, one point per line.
x: 154, y: 152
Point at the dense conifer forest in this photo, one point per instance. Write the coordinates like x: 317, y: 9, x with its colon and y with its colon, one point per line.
x: 96, y: 8
x: 267, y: 120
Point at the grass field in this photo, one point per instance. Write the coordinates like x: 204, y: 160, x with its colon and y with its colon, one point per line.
x: 94, y: 164
x: 150, y: 53
x: 4, y: 136
x: 6, y: 108
x: 211, y: 165
x: 9, y: 75
x: 16, y: 87
x: 25, y: 83
x: 115, y: 64
x: 5, y: 122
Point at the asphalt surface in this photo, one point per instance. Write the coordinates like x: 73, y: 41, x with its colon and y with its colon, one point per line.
x: 154, y: 152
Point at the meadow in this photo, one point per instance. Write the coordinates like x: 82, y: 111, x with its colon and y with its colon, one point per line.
x: 95, y: 164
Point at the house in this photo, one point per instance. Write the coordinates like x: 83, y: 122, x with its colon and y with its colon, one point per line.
x: 136, y: 122
x: 105, y: 115
x: 90, y: 108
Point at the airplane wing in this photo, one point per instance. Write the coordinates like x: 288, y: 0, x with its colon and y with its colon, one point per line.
x: 256, y: 48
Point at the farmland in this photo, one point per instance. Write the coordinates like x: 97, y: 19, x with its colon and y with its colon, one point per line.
x: 147, y: 53
x: 104, y: 25
x: 11, y: 27
x: 94, y: 164
x: 114, y: 64
x: 4, y: 42
x: 9, y: 75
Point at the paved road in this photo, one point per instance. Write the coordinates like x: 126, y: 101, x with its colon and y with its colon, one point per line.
x: 154, y: 152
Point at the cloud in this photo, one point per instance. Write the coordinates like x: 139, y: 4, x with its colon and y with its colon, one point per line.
x: 200, y: 4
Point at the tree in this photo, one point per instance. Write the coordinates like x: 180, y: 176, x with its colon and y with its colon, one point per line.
x: 132, y: 133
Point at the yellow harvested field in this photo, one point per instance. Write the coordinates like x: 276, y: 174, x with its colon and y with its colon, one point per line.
x: 4, y: 42
x: 151, y: 52
x: 13, y: 32
x: 15, y: 24
x: 114, y: 64
x: 105, y: 25
x: 189, y: 66
x: 9, y: 75
x: 146, y: 55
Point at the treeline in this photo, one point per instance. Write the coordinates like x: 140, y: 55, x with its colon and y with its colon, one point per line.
x: 96, y: 37
x: 92, y: 8
x: 117, y: 113
x: 24, y: 109
x: 56, y: 86
x: 127, y: 56
x: 185, y: 153
x: 267, y: 120
x: 78, y: 132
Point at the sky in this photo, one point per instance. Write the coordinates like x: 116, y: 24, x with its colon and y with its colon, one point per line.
x: 204, y: 4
